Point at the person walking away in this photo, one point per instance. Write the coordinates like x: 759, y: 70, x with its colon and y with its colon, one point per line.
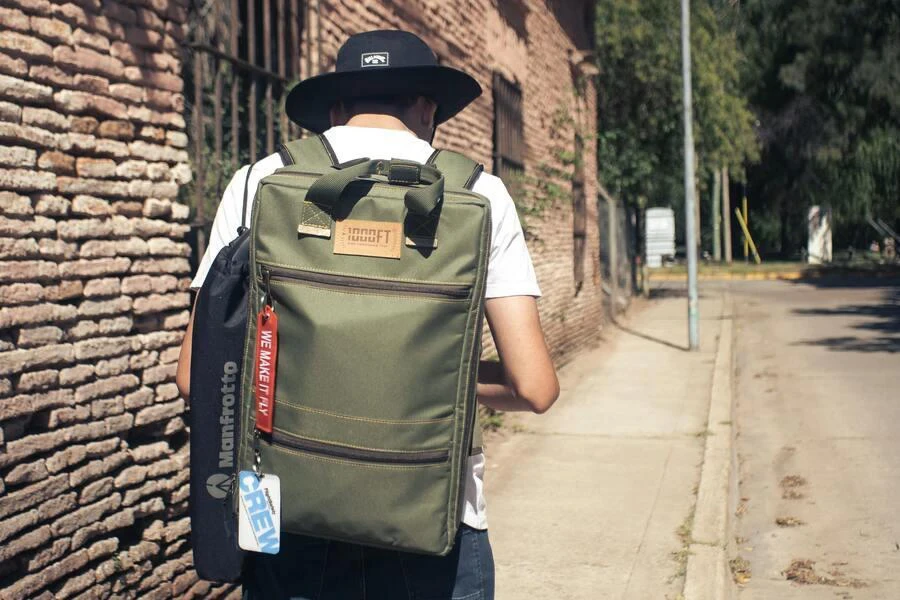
x: 384, y: 100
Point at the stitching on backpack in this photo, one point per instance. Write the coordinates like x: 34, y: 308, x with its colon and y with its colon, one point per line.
x: 365, y: 419
x: 312, y: 439
x: 364, y: 465
x: 331, y: 272
x: 314, y: 288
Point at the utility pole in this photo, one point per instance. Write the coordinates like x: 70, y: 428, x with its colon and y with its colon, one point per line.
x: 716, y: 217
x: 689, y: 210
x: 726, y: 214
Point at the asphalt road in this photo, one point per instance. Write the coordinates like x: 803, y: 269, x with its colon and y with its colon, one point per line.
x: 818, y: 417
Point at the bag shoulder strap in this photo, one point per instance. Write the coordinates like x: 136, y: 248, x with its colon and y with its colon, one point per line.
x: 314, y: 153
x: 459, y: 170
x: 243, y: 226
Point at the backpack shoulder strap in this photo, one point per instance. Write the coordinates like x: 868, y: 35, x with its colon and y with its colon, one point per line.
x: 313, y: 152
x: 459, y: 170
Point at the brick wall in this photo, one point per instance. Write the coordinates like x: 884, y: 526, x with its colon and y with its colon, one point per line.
x: 93, y: 290
x: 94, y: 269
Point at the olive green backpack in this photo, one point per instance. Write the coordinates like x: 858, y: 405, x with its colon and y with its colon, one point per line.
x: 375, y: 272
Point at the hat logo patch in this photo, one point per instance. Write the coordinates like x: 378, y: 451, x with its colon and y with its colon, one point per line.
x: 376, y: 59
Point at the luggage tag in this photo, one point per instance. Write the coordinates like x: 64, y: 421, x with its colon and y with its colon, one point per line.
x: 259, y: 514
x: 266, y: 359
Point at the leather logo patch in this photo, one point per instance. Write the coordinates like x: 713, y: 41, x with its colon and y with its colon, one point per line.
x: 368, y: 238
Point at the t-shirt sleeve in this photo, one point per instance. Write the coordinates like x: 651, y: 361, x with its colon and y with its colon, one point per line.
x: 225, y: 224
x: 510, y: 270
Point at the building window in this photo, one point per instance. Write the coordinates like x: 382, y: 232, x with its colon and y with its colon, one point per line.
x: 509, y: 139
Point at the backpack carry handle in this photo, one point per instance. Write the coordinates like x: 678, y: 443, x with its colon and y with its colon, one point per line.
x: 327, y: 190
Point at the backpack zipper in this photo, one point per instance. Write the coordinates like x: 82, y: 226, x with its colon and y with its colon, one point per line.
x: 363, y: 284
x: 423, y: 457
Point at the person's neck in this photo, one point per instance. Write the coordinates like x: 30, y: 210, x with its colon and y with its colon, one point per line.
x: 379, y: 121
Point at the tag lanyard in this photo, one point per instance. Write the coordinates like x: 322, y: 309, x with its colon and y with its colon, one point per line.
x: 264, y: 373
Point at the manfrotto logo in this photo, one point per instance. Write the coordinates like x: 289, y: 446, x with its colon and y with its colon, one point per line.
x: 217, y: 485
x: 226, y: 420
x: 376, y: 59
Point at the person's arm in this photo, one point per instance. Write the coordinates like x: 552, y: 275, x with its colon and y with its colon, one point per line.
x: 183, y: 373
x: 525, y: 378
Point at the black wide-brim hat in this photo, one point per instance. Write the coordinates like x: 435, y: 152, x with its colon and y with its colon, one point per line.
x: 378, y: 64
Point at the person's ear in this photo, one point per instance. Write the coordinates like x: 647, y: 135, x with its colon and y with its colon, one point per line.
x: 337, y: 114
x: 427, y: 111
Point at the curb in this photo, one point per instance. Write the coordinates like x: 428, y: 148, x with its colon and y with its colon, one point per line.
x: 707, y: 576
x: 768, y: 276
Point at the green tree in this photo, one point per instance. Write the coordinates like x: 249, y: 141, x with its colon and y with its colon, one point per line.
x: 640, y: 143
x: 823, y: 77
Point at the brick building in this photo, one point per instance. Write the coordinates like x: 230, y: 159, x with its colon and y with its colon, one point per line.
x: 106, y: 109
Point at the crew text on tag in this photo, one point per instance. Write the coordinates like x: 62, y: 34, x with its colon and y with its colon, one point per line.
x: 259, y: 518
x: 266, y: 359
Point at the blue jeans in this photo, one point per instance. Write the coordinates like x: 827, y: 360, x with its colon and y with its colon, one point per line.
x: 314, y: 569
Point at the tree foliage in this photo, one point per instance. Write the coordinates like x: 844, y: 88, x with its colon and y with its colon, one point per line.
x: 823, y: 77
x: 640, y: 143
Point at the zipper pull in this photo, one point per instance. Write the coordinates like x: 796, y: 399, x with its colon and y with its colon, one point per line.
x: 267, y: 274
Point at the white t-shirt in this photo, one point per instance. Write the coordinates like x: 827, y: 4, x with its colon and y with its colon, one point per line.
x: 510, y: 272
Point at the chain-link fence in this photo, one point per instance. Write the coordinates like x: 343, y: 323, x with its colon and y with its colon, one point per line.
x: 618, y: 252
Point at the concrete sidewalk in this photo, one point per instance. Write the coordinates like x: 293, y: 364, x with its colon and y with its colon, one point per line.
x: 588, y: 500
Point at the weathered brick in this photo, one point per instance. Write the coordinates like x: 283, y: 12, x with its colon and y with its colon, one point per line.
x: 84, y: 102
x: 58, y: 162
x: 122, y: 324
x: 20, y: 90
x: 35, y: 314
x: 59, y: 417
x: 76, y: 374
x: 39, y: 336
x: 13, y: 65
x: 83, y: 125
x: 25, y: 45
x: 48, y: 204
x: 159, y: 374
x: 82, y: 330
x: 96, y: 167
x: 64, y: 290
x: 90, y: 206
x: 160, y: 339
x: 106, y: 407
x: 23, y: 542
x: 85, y: 59
x: 47, y: 555
x: 120, y: 130
x: 95, y: 490
x: 50, y: 74
x: 27, y: 270
x: 94, y: 268
x: 19, y: 248
x: 16, y: 156
x: 44, y: 118
x: 37, y: 380
x: 97, y: 468
x: 113, y: 366
x: 25, y: 498
x: 106, y: 387
x: 26, y: 587
x: 56, y: 249
x: 118, y: 423
x: 155, y: 152
x: 72, y: 455
x: 102, y: 308
x: 38, y: 226
x: 26, y: 473
x: 159, y: 412
x: 167, y: 247
x: 14, y: 19
x: 133, y: 246
x: 13, y: 525
x: 91, y: 40
x: 103, y: 287
x: 102, y: 347
x: 51, y: 29
x: 113, y: 148
x: 27, y: 135
x: 9, y: 111
x: 25, y: 179
x: 165, y: 265
x: 139, y: 398
x: 159, y: 303
x: 136, y: 284
x: 84, y: 185
x: 74, y: 584
x: 153, y: 134
x: 57, y: 506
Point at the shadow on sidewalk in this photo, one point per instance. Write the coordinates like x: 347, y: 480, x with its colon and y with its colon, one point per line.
x: 881, y: 318
x: 649, y: 338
